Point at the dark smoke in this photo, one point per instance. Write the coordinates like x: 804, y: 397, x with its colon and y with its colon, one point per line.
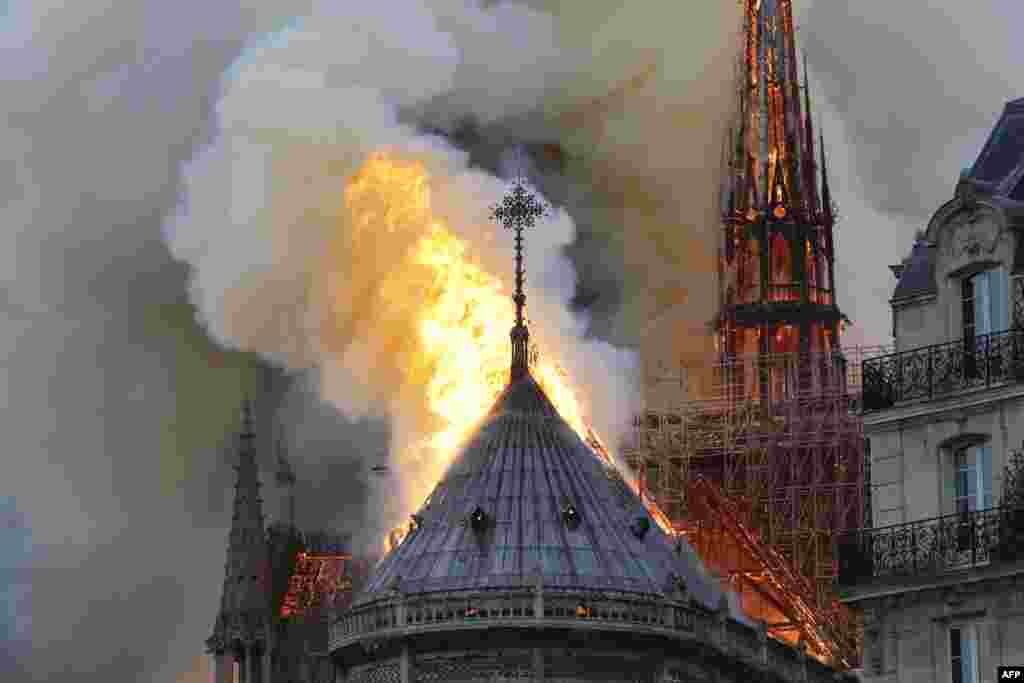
x: 118, y: 410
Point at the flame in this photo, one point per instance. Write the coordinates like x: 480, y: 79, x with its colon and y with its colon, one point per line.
x: 459, y: 354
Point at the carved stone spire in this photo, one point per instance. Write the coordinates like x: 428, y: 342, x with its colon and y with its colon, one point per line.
x: 241, y: 623
x: 519, y: 209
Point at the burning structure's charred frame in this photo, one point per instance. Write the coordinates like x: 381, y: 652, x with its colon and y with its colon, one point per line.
x: 775, y: 429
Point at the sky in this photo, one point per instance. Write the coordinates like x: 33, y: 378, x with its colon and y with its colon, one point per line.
x: 120, y: 393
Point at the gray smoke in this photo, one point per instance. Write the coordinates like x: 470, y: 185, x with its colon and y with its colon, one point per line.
x: 119, y: 409
x: 908, y: 92
x: 917, y: 105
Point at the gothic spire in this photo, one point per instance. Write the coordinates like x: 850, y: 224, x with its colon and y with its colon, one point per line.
x: 519, y: 209
x: 772, y: 167
x: 244, y: 598
x: 808, y: 170
x: 826, y: 195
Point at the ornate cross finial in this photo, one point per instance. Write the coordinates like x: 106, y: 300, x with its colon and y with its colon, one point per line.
x: 519, y: 209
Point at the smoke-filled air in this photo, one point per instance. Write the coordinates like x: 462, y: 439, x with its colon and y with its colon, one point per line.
x: 194, y: 192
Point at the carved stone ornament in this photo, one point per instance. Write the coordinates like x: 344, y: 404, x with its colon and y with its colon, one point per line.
x: 969, y: 195
x: 974, y: 234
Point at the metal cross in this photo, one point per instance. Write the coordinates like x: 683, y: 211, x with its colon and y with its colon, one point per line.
x: 519, y: 209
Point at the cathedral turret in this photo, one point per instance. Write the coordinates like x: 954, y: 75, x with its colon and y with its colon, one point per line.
x: 241, y: 632
x: 532, y: 536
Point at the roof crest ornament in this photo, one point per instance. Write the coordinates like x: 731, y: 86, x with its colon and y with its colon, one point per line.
x: 519, y: 209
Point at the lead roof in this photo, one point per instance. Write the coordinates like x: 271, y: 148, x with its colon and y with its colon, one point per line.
x: 522, y: 467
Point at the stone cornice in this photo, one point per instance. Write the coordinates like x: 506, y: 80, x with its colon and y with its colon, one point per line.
x: 916, y: 300
x: 963, y: 584
x: 942, y: 409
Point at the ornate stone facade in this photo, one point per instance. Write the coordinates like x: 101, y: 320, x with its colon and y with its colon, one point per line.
x: 950, y: 411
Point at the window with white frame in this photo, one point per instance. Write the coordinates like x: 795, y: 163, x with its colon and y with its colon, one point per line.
x: 963, y: 654
x: 985, y: 299
x: 972, y: 478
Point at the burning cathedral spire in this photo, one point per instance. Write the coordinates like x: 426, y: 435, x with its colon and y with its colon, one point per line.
x: 778, y: 258
x: 531, y: 535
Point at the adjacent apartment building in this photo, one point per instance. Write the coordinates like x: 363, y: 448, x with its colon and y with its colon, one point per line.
x: 940, y: 575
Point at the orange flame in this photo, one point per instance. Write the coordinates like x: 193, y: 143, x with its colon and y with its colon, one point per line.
x: 459, y: 353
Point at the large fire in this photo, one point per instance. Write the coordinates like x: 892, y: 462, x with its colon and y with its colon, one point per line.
x: 460, y: 354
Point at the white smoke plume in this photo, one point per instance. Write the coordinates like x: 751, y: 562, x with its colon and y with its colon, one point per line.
x: 263, y: 215
x: 118, y: 406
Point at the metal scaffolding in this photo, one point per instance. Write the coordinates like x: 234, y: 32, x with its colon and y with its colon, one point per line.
x: 779, y: 436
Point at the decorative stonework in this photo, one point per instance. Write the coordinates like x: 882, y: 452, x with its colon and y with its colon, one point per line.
x: 974, y: 234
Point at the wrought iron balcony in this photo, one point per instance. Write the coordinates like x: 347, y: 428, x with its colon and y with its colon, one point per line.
x: 942, y: 369
x: 932, y: 546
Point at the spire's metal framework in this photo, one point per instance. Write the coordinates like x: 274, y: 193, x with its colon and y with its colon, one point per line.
x: 773, y: 428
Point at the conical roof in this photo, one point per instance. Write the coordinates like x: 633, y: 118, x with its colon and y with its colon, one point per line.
x: 545, y: 505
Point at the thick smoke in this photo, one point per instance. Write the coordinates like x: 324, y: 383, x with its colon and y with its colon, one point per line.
x: 284, y: 267
x: 120, y: 409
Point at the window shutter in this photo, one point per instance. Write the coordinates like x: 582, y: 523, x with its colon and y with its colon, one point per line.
x: 982, y: 304
x: 951, y: 480
x: 999, y: 282
x: 985, y: 477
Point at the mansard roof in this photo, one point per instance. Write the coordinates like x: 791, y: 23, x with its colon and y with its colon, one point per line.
x: 997, y: 178
x: 998, y: 166
x: 918, y: 276
x: 550, y: 508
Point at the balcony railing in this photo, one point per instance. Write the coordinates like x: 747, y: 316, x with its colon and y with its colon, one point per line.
x: 932, y: 546
x: 942, y: 369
